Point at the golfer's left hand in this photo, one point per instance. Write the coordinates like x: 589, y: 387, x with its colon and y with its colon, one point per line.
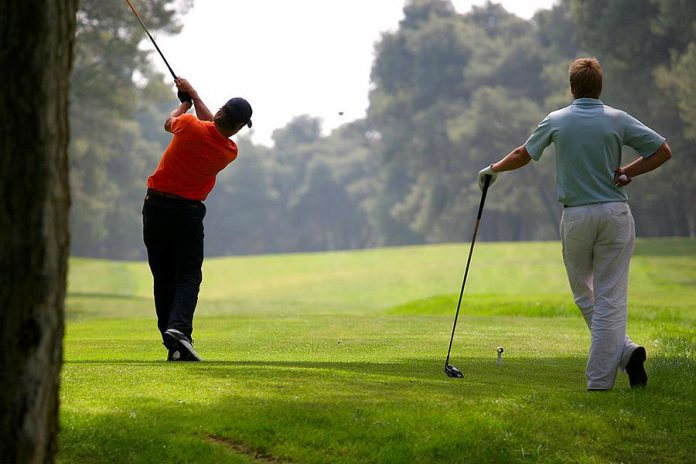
x: 184, y: 97
x: 186, y: 91
x: 487, y: 171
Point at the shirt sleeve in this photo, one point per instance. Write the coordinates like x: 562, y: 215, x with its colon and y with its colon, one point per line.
x: 640, y: 137
x: 180, y: 122
x: 540, y: 139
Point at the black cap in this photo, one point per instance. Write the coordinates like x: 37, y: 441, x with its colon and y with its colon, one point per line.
x: 237, y: 110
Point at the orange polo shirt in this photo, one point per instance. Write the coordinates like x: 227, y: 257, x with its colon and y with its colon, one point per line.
x: 193, y: 158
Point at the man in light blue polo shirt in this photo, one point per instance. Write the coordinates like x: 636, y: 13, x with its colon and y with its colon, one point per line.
x: 597, y: 229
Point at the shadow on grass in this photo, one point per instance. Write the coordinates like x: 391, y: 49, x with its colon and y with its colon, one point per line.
x: 542, y: 306
x: 676, y: 246
x: 526, y: 374
x: 536, y: 306
x: 532, y: 409
x: 114, y: 296
x: 84, y: 305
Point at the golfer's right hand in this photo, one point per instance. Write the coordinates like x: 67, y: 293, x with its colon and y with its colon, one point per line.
x: 621, y: 179
x: 487, y: 171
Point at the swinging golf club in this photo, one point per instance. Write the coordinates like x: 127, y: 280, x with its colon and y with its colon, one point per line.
x: 183, y: 96
x: 450, y: 370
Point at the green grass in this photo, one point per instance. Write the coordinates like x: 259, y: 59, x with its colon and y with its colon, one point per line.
x: 337, y: 357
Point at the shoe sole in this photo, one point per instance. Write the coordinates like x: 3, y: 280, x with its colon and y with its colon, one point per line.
x: 174, y: 356
x: 184, y: 348
x: 637, y: 377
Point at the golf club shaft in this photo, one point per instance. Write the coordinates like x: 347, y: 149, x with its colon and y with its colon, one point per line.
x: 486, y: 182
x: 150, y: 36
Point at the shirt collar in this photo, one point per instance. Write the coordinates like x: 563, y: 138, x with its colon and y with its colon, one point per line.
x: 588, y: 102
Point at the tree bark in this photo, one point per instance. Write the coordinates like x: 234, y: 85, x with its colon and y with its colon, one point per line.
x: 36, y: 38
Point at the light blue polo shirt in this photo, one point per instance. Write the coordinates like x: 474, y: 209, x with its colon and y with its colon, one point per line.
x: 588, y: 136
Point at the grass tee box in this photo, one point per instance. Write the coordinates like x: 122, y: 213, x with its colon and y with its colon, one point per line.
x: 338, y: 357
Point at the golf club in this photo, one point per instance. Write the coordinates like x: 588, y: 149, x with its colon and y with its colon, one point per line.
x: 450, y: 370
x: 183, y: 96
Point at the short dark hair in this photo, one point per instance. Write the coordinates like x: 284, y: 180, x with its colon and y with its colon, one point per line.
x: 586, y: 78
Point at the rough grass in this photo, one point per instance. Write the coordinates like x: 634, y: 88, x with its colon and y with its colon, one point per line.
x: 338, y: 357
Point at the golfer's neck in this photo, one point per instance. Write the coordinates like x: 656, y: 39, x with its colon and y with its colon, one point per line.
x: 223, y: 132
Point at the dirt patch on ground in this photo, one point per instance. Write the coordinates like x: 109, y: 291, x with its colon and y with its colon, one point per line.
x: 242, y: 448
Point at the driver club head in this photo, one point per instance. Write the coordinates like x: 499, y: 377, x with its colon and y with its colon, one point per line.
x: 452, y: 371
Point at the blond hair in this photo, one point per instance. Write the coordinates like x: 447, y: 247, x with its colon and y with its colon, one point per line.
x: 586, y: 78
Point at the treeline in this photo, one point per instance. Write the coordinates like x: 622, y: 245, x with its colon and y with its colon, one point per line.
x: 451, y: 93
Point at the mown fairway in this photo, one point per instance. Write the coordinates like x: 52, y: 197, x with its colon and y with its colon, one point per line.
x: 338, y: 357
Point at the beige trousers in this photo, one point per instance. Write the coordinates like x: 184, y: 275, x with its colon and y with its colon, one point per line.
x: 598, y: 242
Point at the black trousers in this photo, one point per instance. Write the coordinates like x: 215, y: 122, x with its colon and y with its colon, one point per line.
x: 173, y: 234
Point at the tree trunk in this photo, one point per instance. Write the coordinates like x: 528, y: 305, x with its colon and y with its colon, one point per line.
x: 36, y: 39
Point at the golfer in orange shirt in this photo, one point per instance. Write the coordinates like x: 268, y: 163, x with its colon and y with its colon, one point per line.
x: 173, y: 211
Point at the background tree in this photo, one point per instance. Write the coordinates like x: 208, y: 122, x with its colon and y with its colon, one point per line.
x: 34, y: 68
x: 117, y: 105
x: 450, y: 93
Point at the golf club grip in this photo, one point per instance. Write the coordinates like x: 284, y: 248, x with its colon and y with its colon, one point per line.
x: 486, y: 183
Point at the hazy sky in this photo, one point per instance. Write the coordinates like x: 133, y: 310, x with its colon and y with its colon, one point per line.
x: 290, y: 57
